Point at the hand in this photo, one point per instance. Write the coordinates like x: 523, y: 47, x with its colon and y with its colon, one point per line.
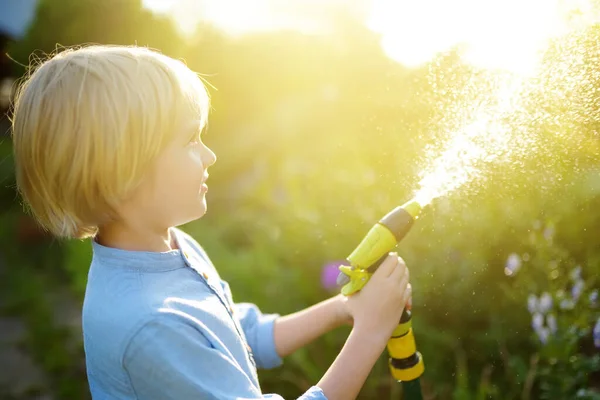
x: 377, y: 308
x: 343, y: 316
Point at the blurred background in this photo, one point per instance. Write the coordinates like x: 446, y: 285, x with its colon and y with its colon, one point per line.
x: 326, y: 115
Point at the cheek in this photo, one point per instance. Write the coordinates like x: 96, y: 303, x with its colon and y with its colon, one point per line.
x: 190, y: 170
x: 196, y: 159
x: 180, y: 174
x: 175, y: 176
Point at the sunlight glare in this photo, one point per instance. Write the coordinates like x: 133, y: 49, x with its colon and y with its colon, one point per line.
x: 240, y: 17
x: 505, y: 34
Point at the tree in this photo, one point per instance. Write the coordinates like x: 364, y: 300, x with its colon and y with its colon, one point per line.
x: 78, y: 22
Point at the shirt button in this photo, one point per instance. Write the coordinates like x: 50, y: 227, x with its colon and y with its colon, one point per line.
x: 205, y: 275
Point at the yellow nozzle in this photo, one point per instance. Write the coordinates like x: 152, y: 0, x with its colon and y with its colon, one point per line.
x: 413, y: 207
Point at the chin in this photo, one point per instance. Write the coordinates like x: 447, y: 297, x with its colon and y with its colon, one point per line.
x: 201, y: 211
x: 194, y: 215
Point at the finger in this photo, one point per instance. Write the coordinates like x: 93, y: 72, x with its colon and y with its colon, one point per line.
x: 408, y: 296
x: 401, y: 261
x: 387, y: 266
x: 404, y: 282
x: 400, y: 271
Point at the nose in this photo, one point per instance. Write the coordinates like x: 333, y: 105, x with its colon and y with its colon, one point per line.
x: 208, y: 157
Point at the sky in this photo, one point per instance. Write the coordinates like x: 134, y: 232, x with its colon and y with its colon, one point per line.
x: 506, y: 34
x: 15, y: 16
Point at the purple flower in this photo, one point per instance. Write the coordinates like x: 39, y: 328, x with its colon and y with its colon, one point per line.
x: 594, y: 298
x: 513, y: 264
x: 537, y: 322
x: 567, y: 304
x: 543, y: 334
x: 543, y: 325
x: 330, y: 273
x: 542, y: 305
x: 576, y: 273
x: 596, y: 333
x: 545, y: 304
x: 577, y: 289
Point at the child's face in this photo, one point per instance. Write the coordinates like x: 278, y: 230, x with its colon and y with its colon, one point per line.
x: 175, y: 191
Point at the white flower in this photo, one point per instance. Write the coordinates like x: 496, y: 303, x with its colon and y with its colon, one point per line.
x: 567, y: 304
x: 545, y: 303
x: 537, y: 321
x: 532, y: 303
x: 577, y: 289
x: 576, y: 273
x: 543, y: 334
x: 596, y: 334
x: 513, y: 264
x: 593, y: 297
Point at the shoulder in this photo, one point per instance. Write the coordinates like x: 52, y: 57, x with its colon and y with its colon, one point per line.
x: 114, y: 306
x: 118, y: 302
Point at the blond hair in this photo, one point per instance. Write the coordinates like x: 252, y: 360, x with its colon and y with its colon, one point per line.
x: 88, y: 123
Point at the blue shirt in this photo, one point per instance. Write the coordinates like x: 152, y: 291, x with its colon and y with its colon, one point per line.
x: 164, y: 326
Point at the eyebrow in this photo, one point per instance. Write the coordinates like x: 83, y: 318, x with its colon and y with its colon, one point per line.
x: 195, y: 123
x: 194, y: 128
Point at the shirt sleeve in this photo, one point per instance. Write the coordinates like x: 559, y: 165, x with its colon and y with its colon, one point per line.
x: 259, y: 331
x: 169, y: 359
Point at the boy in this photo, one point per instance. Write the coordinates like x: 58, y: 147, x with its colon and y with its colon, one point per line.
x: 107, y: 142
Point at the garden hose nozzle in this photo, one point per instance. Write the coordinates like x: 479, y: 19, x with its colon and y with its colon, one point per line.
x: 376, y: 245
x: 406, y: 364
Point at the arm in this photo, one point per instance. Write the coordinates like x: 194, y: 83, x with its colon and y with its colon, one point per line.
x: 348, y: 373
x: 272, y: 337
x: 296, y: 330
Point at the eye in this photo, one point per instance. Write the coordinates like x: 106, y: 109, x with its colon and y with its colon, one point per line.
x: 194, y: 139
x: 195, y: 135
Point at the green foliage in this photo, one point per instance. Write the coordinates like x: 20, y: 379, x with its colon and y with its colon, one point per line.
x: 32, y: 274
x: 562, y: 299
x: 80, y: 22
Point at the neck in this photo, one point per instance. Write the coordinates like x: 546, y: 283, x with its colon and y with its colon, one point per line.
x: 134, y: 238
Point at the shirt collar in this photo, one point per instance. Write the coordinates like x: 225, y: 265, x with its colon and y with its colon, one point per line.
x: 148, y: 261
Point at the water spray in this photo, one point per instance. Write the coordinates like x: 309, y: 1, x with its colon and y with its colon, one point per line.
x: 406, y: 363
